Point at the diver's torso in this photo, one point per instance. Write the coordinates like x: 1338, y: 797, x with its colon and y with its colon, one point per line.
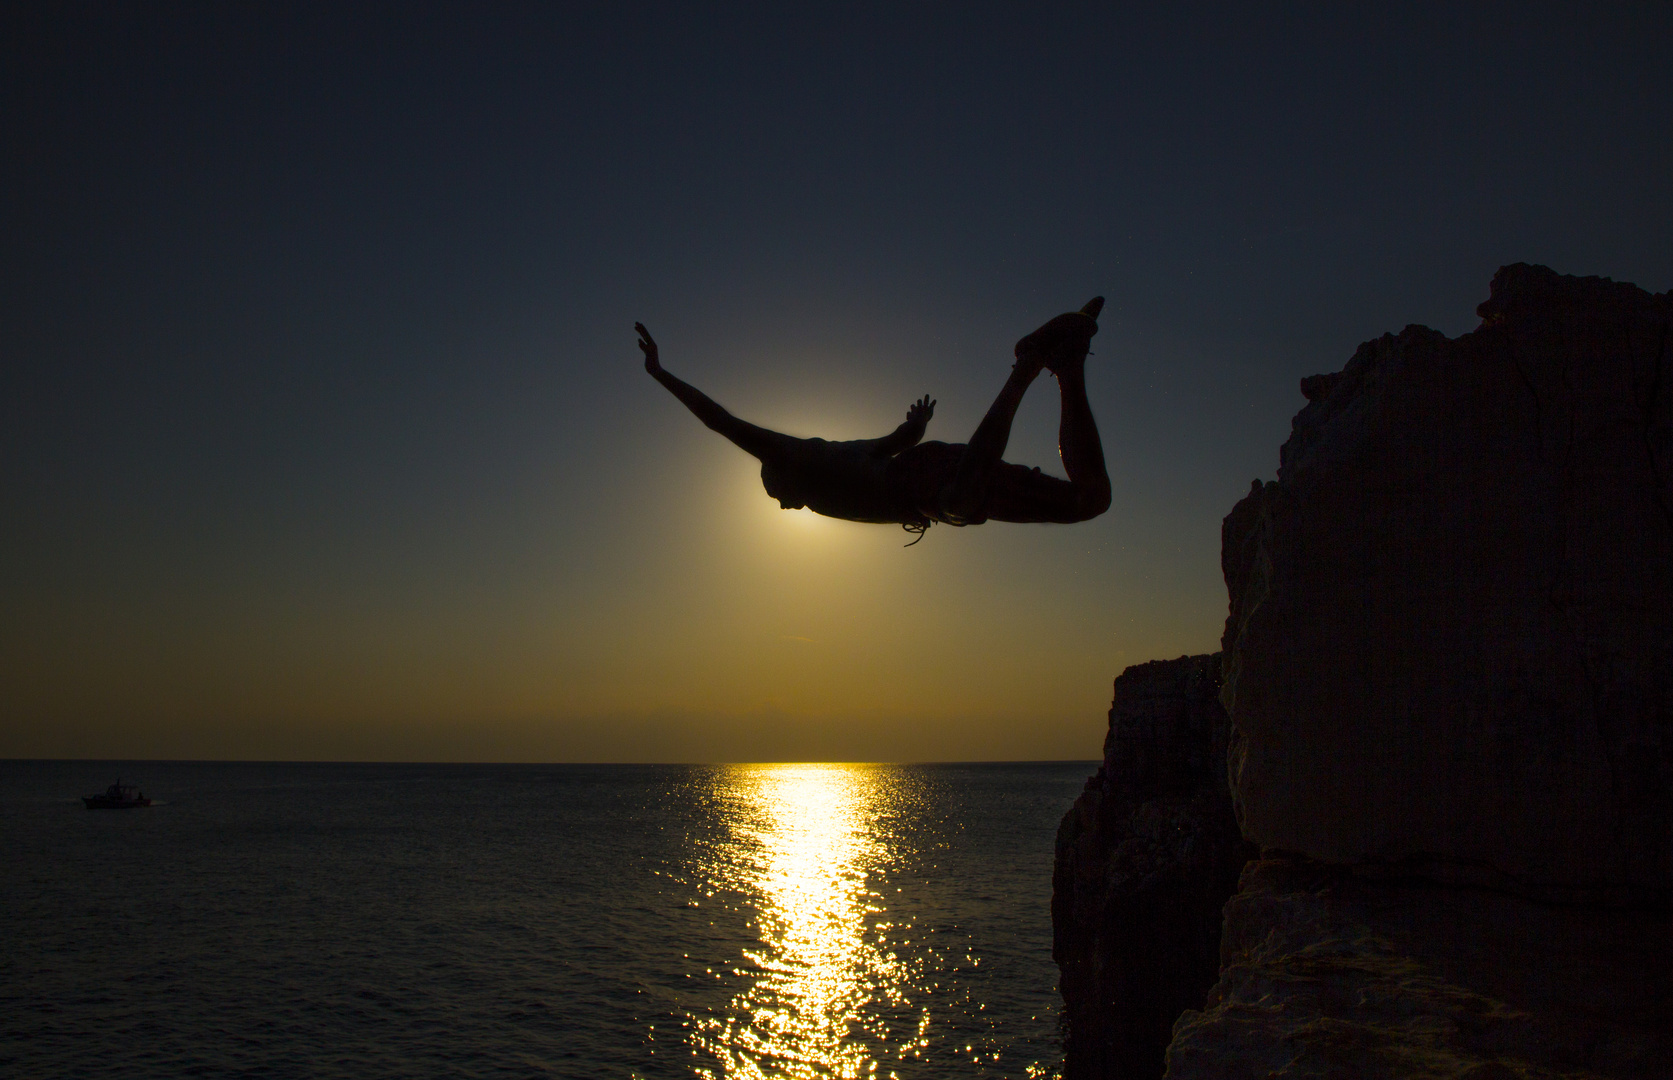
x: 847, y: 480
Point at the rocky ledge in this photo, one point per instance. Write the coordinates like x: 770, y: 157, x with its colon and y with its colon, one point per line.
x: 1327, y: 974
x: 1145, y: 860
x: 1447, y: 677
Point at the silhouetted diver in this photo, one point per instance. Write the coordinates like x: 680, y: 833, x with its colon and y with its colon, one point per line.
x: 900, y: 480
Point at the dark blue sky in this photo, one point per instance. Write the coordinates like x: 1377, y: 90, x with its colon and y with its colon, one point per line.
x: 325, y: 435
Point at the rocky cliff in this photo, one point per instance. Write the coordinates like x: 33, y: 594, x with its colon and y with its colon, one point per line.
x: 1451, y: 638
x: 1145, y: 860
x: 1448, y: 671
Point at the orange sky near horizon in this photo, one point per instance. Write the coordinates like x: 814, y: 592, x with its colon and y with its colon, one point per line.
x: 706, y: 624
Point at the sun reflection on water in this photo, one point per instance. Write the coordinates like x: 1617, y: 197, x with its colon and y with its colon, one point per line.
x: 825, y: 982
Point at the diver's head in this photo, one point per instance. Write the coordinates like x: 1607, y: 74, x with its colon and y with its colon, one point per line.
x: 781, y: 487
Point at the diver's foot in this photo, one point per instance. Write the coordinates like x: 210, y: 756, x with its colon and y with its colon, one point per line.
x: 1063, y: 342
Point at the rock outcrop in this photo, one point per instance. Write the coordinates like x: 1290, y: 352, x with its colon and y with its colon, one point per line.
x: 1329, y: 975
x: 1145, y: 861
x: 1448, y: 671
x: 1450, y: 648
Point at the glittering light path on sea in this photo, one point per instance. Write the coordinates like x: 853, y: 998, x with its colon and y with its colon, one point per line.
x: 828, y: 993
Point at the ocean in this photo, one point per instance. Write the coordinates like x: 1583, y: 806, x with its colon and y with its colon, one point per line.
x: 621, y: 921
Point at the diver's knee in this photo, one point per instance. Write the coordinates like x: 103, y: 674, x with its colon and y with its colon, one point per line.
x: 1092, y: 500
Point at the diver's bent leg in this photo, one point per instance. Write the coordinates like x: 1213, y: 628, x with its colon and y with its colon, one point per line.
x: 1079, y: 446
x: 965, y: 498
x: 985, y: 486
x: 1021, y: 494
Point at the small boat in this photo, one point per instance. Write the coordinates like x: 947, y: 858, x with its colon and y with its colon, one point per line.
x: 118, y: 796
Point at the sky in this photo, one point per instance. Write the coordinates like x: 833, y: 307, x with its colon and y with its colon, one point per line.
x: 325, y: 437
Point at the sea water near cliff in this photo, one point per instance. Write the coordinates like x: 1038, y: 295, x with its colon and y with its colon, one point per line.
x: 309, y: 920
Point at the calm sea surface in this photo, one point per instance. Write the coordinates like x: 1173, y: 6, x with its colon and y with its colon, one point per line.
x: 574, y: 921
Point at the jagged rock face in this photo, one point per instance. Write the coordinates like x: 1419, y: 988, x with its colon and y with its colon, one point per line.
x: 1329, y: 975
x: 1450, y: 645
x: 1145, y: 860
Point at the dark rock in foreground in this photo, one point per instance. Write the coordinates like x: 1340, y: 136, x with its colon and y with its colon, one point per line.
x: 1330, y: 975
x: 1145, y: 860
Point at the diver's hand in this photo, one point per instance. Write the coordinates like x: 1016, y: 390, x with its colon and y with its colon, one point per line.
x: 920, y: 411
x: 647, y: 345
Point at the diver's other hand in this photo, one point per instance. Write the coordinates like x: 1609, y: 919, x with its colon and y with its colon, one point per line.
x: 920, y: 411
x: 647, y: 345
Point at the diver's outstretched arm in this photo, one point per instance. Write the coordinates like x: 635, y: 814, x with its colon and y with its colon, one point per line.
x: 909, y: 434
x: 759, y: 441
